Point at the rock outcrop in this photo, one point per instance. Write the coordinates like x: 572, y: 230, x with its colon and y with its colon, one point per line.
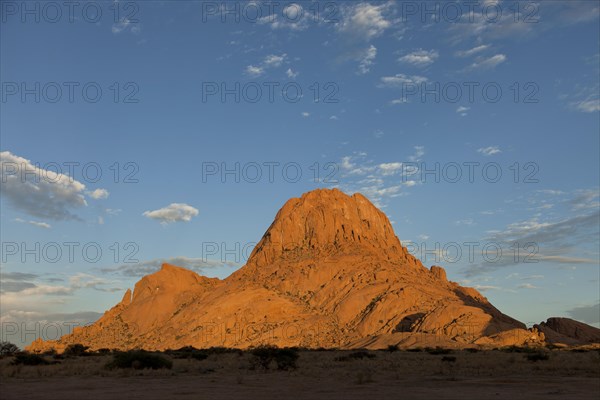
x: 328, y: 272
x: 568, y: 331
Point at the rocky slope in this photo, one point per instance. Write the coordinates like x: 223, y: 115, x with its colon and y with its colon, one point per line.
x: 329, y: 272
x: 567, y: 331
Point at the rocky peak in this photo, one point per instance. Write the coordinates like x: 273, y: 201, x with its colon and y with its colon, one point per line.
x: 324, y: 222
x: 169, y: 279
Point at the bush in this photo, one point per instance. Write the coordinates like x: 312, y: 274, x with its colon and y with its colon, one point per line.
x: 29, y: 359
x: 285, y: 358
x: 76, y: 350
x: 188, y: 352
x: 538, y: 356
x: 448, y: 359
x: 361, y: 354
x: 438, y: 350
x: 222, y: 350
x: 518, y: 349
x: 8, y: 349
x: 415, y: 349
x: 50, y: 352
x: 139, y: 359
x: 392, y: 347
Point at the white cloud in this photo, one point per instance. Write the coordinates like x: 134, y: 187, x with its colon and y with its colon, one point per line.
x: 34, y: 223
x: 305, y: 114
x: 479, y: 25
x: 269, y: 62
x: 41, y: 317
x: 364, y: 20
x: 588, y: 106
x: 274, y: 61
x: 467, y: 222
x: 420, y: 58
x: 489, y: 63
x: 489, y: 151
x: 419, y: 152
x: 294, y: 17
x: 99, y: 194
x: 38, y: 192
x: 254, y: 71
x: 47, y: 290
x: 390, y: 168
x: 473, y: 51
x: 175, y: 212
x: 463, y: 110
x: 124, y: 24
x: 367, y: 60
x: 346, y: 163
x: 87, y: 281
x: 402, y: 79
x: 553, y: 241
x: 378, y: 182
x: 293, y: 11
x: 485, y: 288
x: 291, y: 73
x: 585, y: 199
x: 527, y: 286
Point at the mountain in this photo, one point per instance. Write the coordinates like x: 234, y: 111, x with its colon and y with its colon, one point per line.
x: 567, y: 331
x: 328, y: 272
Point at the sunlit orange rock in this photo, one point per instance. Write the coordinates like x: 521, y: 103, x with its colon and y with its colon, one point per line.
x: 329, y: 272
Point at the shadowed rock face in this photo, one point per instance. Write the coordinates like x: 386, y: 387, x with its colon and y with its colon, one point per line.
x: 568, y: 331
x: 329, y: 272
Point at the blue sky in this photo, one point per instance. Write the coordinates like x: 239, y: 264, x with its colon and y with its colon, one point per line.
x: 389, y: 91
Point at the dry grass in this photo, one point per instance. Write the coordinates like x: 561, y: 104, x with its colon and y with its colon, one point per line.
x: 565, y: 374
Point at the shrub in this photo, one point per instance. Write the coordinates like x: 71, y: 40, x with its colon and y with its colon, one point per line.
x: 578, y: 350
x: 285, y: 358
x: 50, y: 352
x: 537, y: 356
x: 76, y: 350
x: 139, y: 359
x: 223, y: 350
x: 361, y: 354
x: 188, y: 352
x: 415, y: 349
x: 8, y: 349
x: 341, y: 358
x: 392, y: 347
x: 448, y: 359
x: 438, y: 350
x: 29, y: 359
x: 518, y: 349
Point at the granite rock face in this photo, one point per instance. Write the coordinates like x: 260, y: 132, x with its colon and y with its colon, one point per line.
x: 568, y: 331
x: 328, y: 272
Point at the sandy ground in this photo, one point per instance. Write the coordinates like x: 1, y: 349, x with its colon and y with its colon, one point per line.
x: 320, y: 375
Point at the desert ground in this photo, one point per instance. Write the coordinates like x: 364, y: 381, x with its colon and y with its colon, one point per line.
x: 508, y: 373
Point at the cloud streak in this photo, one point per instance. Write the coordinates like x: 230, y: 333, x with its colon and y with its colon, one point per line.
x: 41, y: 193
x: 174, y: 212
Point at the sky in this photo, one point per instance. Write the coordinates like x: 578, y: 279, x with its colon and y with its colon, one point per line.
x: 140, y: 132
